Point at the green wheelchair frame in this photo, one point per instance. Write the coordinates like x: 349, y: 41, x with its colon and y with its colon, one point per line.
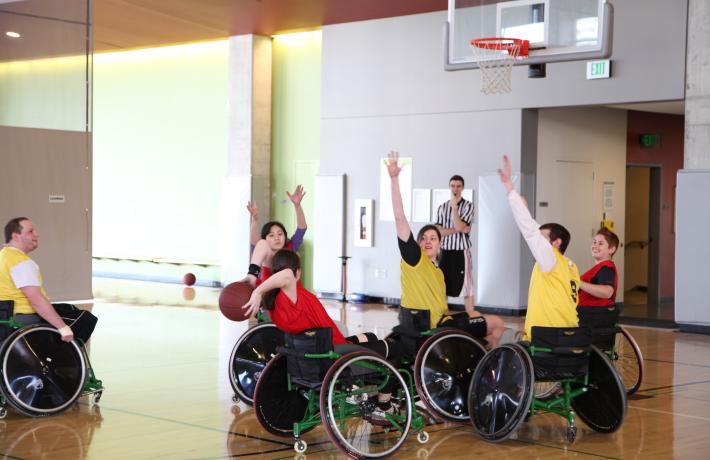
x: 348, y: 402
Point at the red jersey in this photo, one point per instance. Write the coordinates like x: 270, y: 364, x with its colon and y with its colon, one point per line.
x: 588, y: 300
x: 306, y: 313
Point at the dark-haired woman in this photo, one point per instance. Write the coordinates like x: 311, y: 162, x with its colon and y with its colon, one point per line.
x: 294, y: 309
x: 274, y: 237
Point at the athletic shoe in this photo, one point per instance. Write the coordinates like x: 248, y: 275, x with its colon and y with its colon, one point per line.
x: 546, y: 389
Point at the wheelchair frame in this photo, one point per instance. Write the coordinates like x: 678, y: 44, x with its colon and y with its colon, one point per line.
x: 92, y: 385
x: 572, y: 401
x: 318, y: 397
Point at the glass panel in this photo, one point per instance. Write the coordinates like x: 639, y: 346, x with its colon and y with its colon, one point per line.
x: 45, y: 72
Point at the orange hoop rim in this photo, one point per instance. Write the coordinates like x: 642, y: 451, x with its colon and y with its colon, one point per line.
x: 502, y: 44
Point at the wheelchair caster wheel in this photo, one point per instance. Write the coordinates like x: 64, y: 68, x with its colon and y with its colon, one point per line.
x: 235, y: 399
x: 571, y: 434
x: 423, y: 437
x: 96, y: 398
x: 300, y: 446
x: 3, y: 412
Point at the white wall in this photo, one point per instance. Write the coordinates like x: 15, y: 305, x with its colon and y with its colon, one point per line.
x: 384, y: 87
x: 583, y: 135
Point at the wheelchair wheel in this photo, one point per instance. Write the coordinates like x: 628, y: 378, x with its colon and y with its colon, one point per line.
x: 41, y: 374
x: 628, y: 360
x: 442, y: 373
x: 249, y: 357
x: 347, y: 401
x: 501, y: 392
x: 278, y: 408
x: 603, y: 406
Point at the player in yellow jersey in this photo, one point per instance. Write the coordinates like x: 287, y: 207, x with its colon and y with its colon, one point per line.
x: 422, y: 281
x: 552, y: 296
x: 21, y: 283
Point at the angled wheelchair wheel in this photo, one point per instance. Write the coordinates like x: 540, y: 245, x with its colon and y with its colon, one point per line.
x: 40, y: 374
x: 501, y: 392
x: 249, y: 357
x: 349, y: 411
x: 628, y: 360
x: 603, y: 406
x: 278, y: 408
x: 442, y: 373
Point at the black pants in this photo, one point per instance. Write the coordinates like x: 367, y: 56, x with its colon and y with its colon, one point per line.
x: 82, y: 322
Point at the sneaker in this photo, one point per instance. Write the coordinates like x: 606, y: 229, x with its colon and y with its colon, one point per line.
x: 546, y: 389
x: 378, y: 415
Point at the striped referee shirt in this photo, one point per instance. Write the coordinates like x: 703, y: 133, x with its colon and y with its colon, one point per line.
x: 457, y: 241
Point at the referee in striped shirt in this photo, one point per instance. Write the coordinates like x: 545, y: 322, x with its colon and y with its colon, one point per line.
x: 453, y: 219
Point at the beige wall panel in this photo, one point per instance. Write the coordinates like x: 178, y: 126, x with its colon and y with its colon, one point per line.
x: 37, y: 163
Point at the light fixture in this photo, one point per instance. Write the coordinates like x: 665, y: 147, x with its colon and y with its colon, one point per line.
x: 13, y: 34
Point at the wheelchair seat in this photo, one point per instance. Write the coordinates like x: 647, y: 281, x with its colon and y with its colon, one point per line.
x: 560, y: 352
x: 603, y: 323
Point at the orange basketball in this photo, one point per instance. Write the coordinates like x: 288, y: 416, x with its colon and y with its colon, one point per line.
x: 232, y: 298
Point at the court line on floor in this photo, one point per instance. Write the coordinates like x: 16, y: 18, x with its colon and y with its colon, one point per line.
x: 665, y: 361
x: 666, y: 387
x: 564, y: 448
x: 665, y: 412
x: 11, y: 457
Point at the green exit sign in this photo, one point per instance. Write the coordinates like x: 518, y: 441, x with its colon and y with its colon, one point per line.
x: 598, y: 69
x: 650, y: 140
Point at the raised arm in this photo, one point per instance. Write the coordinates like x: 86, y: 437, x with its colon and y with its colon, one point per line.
x: 254, y: 236
x: 285, y: 279
x: 296, y: 197
x: 539, y: 246
x: 400, y: 220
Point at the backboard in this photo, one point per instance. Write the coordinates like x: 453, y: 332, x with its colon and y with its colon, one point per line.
x: 558, y: 30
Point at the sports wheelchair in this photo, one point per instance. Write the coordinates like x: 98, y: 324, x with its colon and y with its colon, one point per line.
x: 308, y: 383
x: 616, y: 342
x: 443, y: 360
x: 501, y: 395
x: 249, y: 357
x: 40, y: 375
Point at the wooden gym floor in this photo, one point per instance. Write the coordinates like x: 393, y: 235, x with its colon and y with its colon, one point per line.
x: 163, y: 360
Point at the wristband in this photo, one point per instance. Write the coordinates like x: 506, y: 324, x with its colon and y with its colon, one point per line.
x: 254, y: 270
x: 65, y: 331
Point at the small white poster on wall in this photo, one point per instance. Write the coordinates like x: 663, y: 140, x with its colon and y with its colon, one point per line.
x: 364, y: 223
x: 608, y: 196
x: 421, y: 204
x: 405, y: 187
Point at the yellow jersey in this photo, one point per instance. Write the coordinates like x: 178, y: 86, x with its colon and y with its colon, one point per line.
x: 552, y: 297
x: 9, y: 259
x: 423, y: 288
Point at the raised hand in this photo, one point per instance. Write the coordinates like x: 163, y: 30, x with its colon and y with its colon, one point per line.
x: 505, y: 174
x: 392, y: 163
x: 297, y: 195
x: 253, y: 209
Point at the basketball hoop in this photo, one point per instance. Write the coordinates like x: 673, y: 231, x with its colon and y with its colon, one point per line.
x: 495, y: 57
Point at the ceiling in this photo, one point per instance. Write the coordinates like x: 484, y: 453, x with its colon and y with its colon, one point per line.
x: 58, y: 27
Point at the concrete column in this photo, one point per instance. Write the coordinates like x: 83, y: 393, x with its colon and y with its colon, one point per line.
x: 693, y: 185
x: 249, y: 157
x: 697, y: 87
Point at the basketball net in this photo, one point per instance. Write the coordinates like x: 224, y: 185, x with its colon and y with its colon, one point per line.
x: 495, y: 57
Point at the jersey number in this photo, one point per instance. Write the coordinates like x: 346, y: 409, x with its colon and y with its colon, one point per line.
x: 573, y: 285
